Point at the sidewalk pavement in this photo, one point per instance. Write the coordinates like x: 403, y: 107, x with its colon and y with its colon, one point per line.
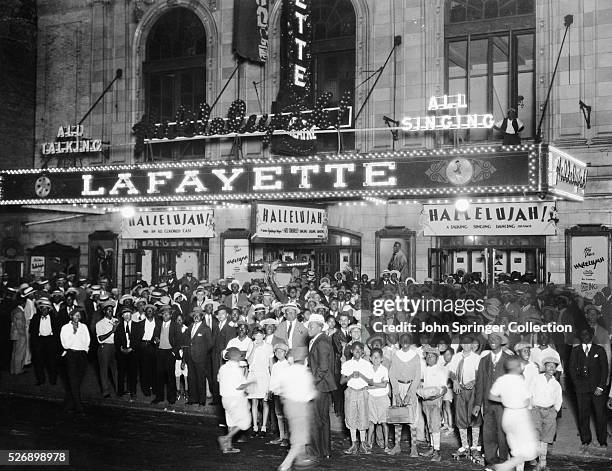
x: 24, y: 385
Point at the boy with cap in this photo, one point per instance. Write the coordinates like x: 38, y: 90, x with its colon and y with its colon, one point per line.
x: 546, y: 400
x: 278, y: 370
x: 232, y: 385
x: 433, y: 389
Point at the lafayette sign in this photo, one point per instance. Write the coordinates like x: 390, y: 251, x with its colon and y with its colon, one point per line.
x: 489, y: 219
x: 169, y: 225
x: 289, y: 222
x: 495, y: 171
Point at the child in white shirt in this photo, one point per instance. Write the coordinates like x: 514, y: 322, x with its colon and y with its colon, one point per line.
x: 434, y: 387
x: 357, y: 374
x: 276, y: 375
x: 378, y: 399
x: 546, y: 399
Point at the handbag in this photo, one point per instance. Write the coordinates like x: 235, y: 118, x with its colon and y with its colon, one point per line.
x: 400, y: 415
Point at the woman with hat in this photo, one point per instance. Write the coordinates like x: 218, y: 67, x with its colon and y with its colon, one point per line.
x: 260, y: 363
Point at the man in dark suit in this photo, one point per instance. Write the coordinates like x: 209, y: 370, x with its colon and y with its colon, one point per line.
x: 321, y: 363
x: 188, y: 281
x: 292, y: 332
x: 125, y: 349
x: 339, y: 340
x: 172, y: 282
x: 212, y: 323
x: 44, y: 341
x: 490, y: 368
x: 198, y: 349
x: 167, y: 338
x: 145, y: 349
x: 68, y: 307
x: 225, y: 332
x: 588, y: 368
x: 236, y: 299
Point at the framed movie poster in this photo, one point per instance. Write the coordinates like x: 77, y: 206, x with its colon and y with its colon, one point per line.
x: 588, y: 259
x: 235, y: 248
x: 103, y: 257
x: 395, y: 250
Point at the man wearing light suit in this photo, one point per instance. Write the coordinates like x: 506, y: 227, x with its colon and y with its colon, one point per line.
x: 236, y: 299
x: 292, y: 332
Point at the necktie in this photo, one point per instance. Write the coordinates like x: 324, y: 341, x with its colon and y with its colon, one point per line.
x: 127, y: 334
x: 586, y: 350
x: 289, y: 329
x: 127, y: 328
x: 235, y: 300
x: 460, y: 370
x: 208, y: 321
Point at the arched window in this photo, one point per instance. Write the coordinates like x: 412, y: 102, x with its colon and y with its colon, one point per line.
x: 333, y: 54
x: 175, y: 75
x: 490, y: 57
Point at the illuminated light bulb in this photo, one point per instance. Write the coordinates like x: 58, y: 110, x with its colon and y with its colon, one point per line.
x: 462, y: 205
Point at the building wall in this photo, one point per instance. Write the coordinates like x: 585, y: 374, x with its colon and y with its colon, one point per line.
x: 18, y: 78
x: 82, y: 43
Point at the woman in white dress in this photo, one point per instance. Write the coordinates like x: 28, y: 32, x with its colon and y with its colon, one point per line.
x: 260, y: 364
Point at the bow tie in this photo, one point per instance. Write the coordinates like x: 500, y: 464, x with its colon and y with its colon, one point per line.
x: 44, y: 316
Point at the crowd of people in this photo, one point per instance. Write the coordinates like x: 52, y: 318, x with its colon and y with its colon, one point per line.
x: 274, y: 360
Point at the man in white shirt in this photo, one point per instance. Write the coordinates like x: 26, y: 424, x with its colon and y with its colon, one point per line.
x: 107, y: 360
x: 75, y: 340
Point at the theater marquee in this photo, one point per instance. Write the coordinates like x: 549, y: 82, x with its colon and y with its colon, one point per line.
x: 503, y: 170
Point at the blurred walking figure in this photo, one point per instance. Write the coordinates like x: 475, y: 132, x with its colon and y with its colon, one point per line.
x: 511, y: 390
x: 232, y: 384
x: 296, y: 388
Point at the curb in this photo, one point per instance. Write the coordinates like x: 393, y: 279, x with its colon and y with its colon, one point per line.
x: 210, y: 412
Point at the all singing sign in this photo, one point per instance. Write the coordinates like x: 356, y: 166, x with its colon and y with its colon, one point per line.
x: 274, y: 221
x: 489, y: 219
x: 169, y: 225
